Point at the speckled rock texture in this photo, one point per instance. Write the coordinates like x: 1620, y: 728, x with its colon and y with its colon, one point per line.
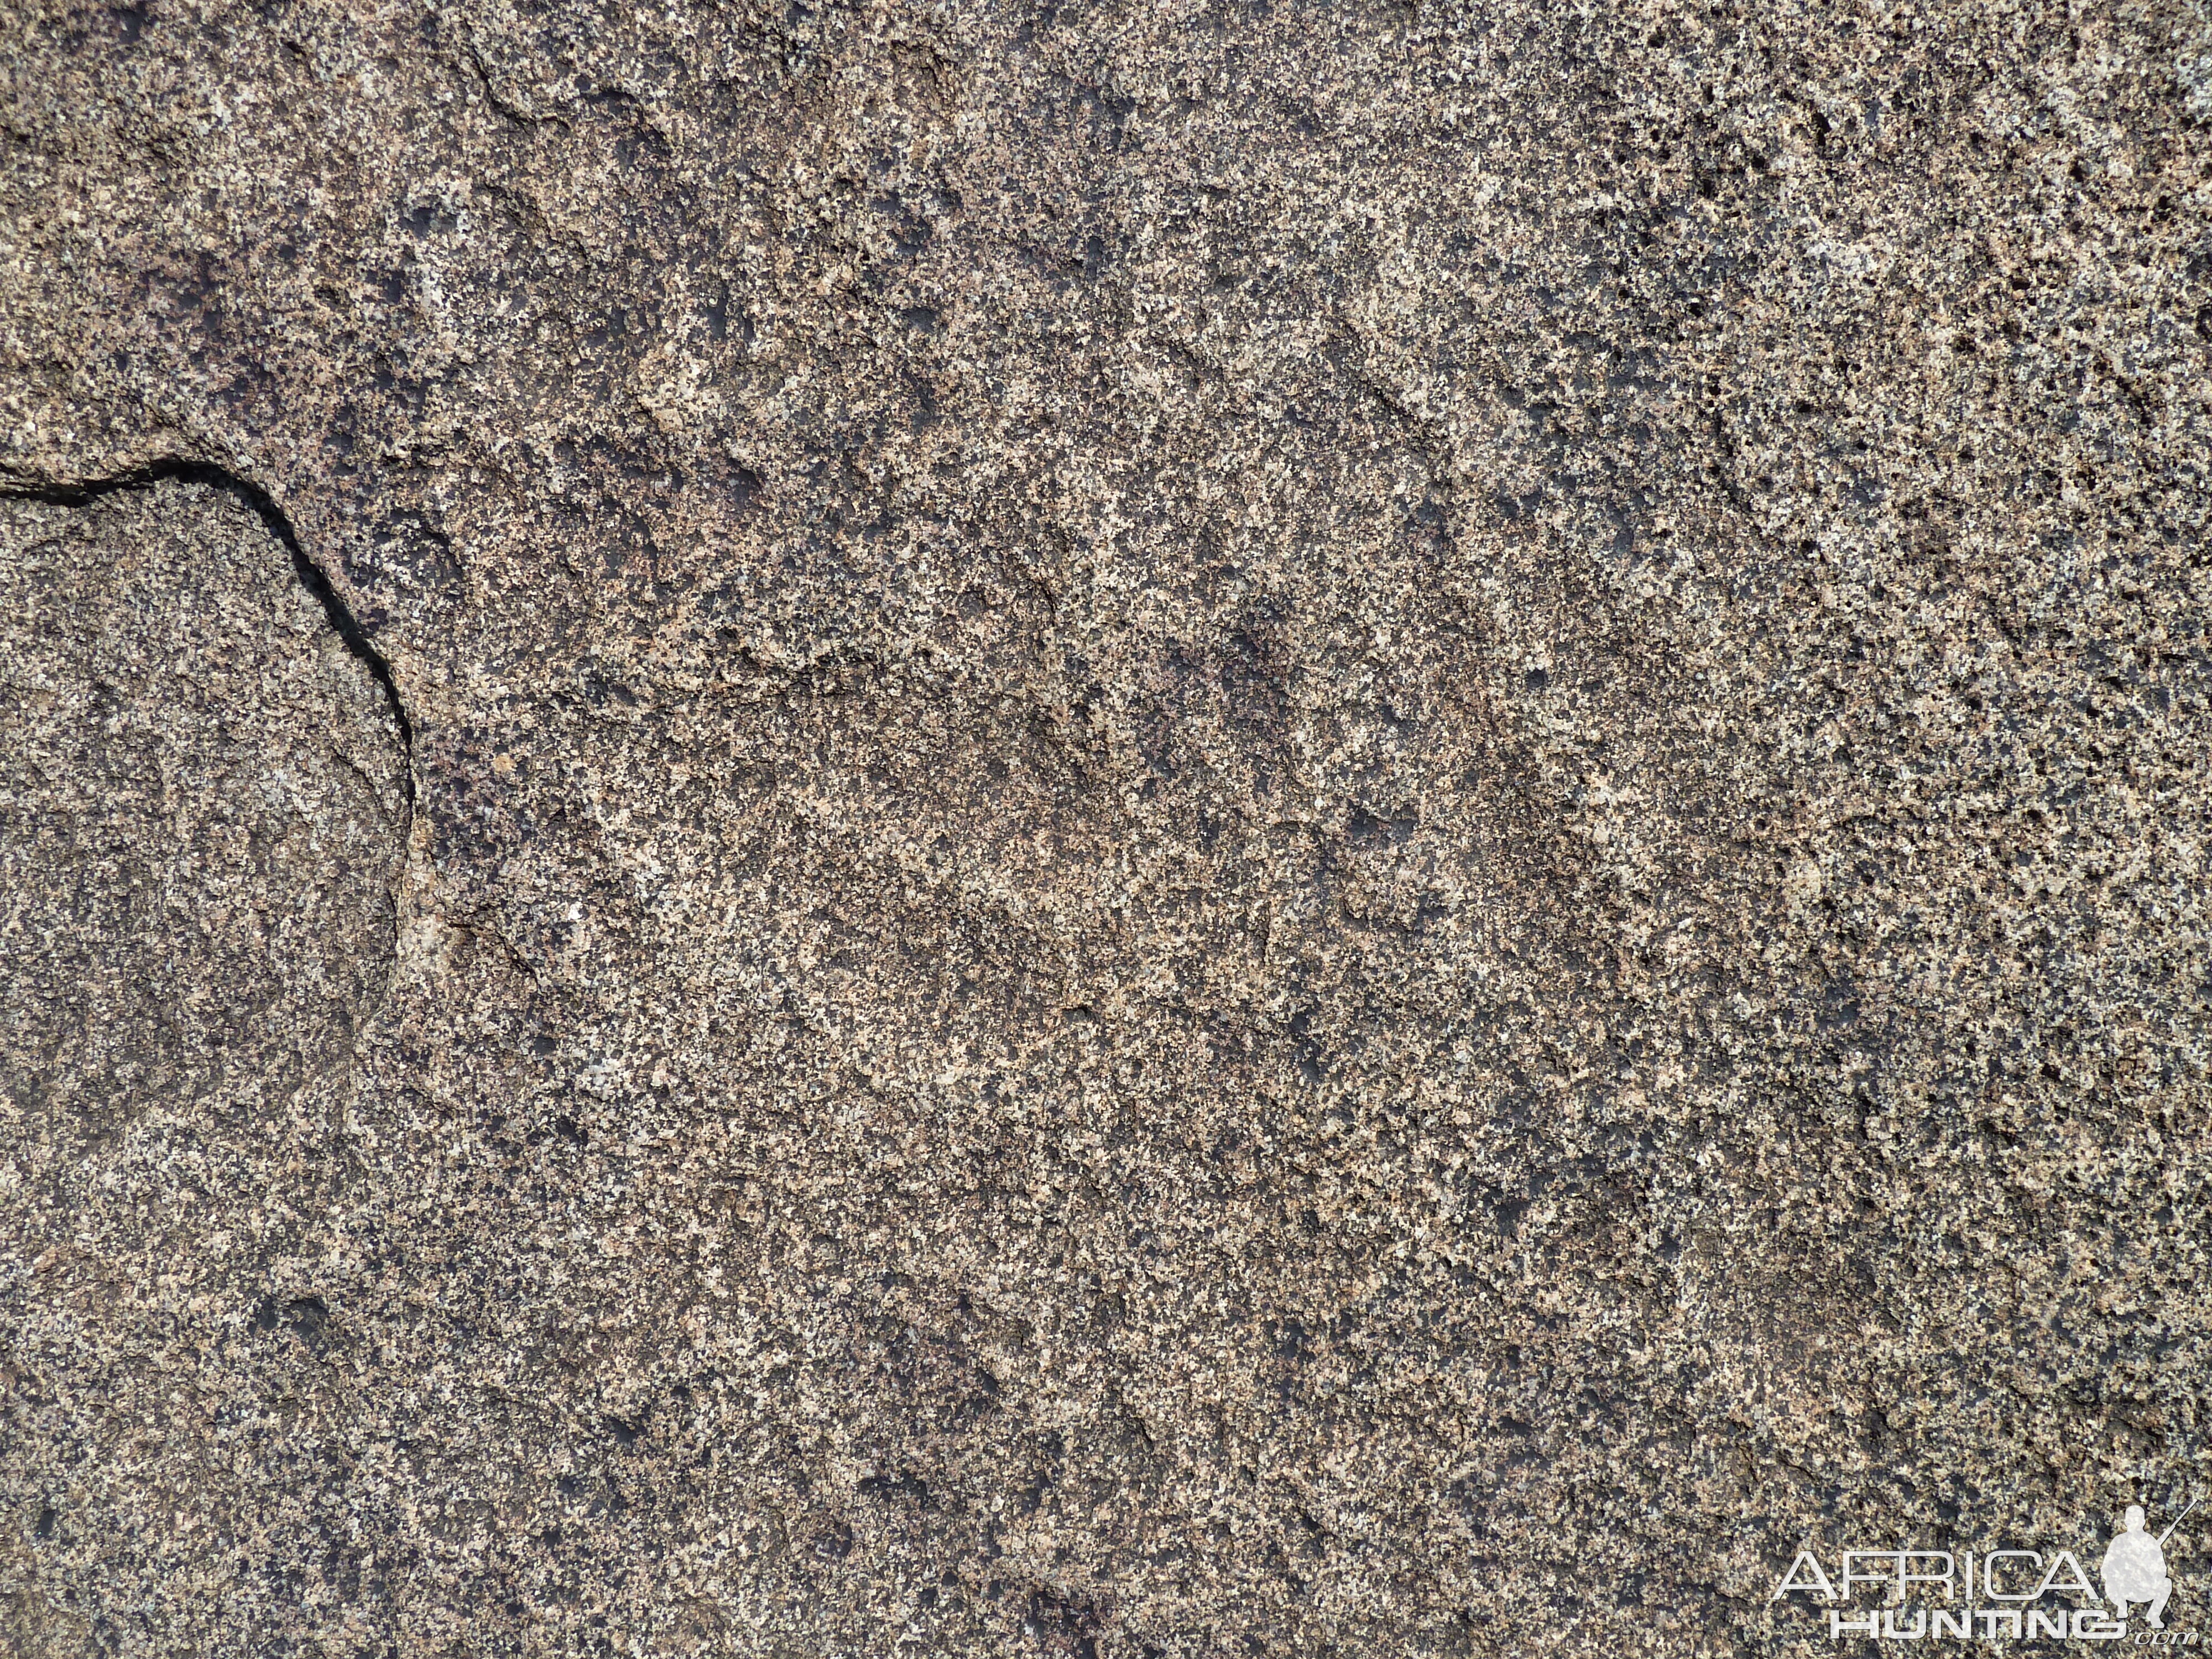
x: 1108, y: 830
x: 203, y: 823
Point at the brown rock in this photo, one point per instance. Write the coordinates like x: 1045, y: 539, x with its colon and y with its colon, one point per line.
x: 1201, y: 830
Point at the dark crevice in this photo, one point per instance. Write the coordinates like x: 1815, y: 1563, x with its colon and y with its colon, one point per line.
x: 310, y: 573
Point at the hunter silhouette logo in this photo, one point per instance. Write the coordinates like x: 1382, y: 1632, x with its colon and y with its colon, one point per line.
x: 2134, y: 1567
x: 1989, y: 1594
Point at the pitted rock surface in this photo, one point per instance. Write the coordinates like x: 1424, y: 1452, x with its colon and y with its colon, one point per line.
x: 203, y: 823
x: 1222, y: 828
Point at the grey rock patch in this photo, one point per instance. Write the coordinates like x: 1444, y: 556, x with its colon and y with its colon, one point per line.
x: 1243, y: 829
x: 202, y: 819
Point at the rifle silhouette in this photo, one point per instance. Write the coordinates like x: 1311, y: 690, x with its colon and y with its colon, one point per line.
x: 2178, y: 1520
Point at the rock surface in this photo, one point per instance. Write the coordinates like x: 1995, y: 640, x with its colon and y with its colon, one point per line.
x: 1187, y: 829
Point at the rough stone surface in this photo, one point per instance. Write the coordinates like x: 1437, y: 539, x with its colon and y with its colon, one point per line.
x: 1220, y: 829
x: 203, y: 820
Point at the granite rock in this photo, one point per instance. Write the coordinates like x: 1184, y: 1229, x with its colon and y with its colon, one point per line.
x: 1096, y: 829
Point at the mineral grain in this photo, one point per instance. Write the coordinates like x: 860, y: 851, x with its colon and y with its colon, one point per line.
x: 1108, y: 830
